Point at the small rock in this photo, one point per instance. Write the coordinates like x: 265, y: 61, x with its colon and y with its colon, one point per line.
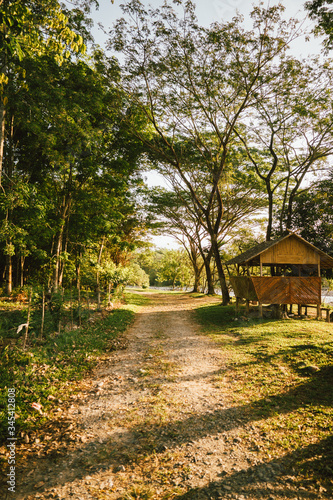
x: 105, y: 485
x: 120, y: 468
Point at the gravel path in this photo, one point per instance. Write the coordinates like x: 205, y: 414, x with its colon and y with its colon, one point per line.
x: 151, y: 423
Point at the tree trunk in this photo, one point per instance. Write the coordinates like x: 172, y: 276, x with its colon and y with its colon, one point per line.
x: 9, y: 274
x: 2, y: 135
x: 210, y: 284
x: 56, y: 271
x: 197, y: 270
x: 220, y: 271
x: 196, y: 281
x: 62, y: 262
x: 22, y: 259
x: 270, y: 213
x: 78, y: 273
x: 97, y: 275
x: 63, y: 219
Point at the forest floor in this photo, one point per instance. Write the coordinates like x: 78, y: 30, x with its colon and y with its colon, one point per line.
x: 151, y: 422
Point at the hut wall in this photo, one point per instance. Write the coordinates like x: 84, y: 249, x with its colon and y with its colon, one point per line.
x: 278, y: 289
x: 290, y: 251
x: 287, y: 290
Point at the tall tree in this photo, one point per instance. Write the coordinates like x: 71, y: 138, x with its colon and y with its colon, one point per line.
x: 31, y: 28
x: 179, y: 221
x: 194, y: 84
x: 76, y: 157
x: 290, y: 132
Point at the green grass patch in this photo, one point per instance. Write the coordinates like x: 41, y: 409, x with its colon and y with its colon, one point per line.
x: 279, y: 373
x: 137, y: 299
x: 47, y: 367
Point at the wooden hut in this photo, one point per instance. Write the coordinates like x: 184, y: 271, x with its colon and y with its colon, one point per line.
x: 283, y: 271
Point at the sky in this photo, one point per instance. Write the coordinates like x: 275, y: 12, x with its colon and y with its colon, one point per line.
x: 208, y: 11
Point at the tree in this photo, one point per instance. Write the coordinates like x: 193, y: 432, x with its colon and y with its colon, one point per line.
x: 71, y: 170
x: 312, y: 215
x: 177, y: 220
x: 242, y: 199
x: 194, y: 85
x: 290, y: 133
x: 31, y: 28
x: 321, y: 12
x: 175, y: 267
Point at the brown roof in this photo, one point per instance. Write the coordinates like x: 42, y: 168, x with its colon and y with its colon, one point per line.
x: 251, y: 256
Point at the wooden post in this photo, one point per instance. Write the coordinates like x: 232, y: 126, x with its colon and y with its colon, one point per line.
x: 260, y: 304
x: 318, y: 311
x: 247, y: 306
x: 319, y: 305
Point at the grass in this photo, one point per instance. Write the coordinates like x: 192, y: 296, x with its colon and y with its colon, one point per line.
x: 45, y: 370
x: 281, y: 374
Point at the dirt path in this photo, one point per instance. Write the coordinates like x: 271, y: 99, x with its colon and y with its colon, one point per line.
x: 151, y: 423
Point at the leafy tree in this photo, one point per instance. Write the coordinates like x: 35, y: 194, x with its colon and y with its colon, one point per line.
x: 175, y: 267
x: 194, y: 85
x: 178, y: 220
x: 321, y: 12
x: 70, y: 151
x: 30, y: 28
x: 290, y: 132
x: 312, y: 215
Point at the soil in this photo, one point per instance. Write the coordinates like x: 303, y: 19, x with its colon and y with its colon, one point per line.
x: 149, y: 422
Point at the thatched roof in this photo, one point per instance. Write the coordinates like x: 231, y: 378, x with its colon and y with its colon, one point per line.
x: 252, y: 256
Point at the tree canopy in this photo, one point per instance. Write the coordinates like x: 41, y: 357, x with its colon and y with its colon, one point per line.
x: 232, y: 121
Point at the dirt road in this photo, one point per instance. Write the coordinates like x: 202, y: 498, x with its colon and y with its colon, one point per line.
x: 151, y: 423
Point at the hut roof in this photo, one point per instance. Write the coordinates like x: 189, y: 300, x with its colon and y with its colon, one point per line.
x: 251, y: 256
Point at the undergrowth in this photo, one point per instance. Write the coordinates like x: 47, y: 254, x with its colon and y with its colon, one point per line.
x: 45, y: 369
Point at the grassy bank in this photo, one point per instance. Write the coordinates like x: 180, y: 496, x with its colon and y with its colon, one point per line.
x: 48, y: 367
x: 280, y: 374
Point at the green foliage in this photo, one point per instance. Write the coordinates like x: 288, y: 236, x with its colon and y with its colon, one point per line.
x: 313, y: 215
x: 321, y: 12
x: 50, y: 365
x: 75, y: 175
x: 175, y: 267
